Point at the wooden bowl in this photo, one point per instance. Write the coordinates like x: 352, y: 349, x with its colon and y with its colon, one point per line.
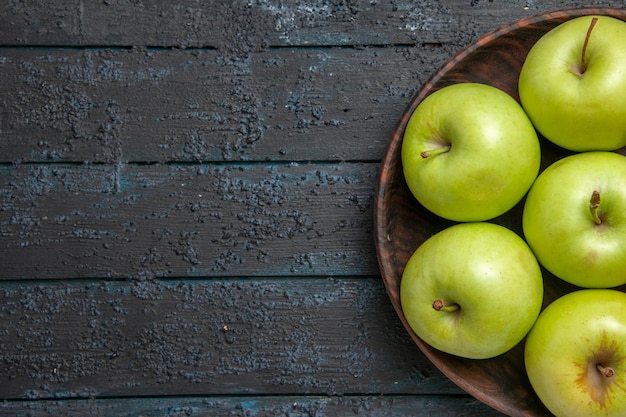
x: 402, y: 224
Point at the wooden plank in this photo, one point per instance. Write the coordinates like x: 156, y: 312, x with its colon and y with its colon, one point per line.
x: 173, y: 105
x: 77, y: 221
x: 242, y: 26
x: 142, y: 104
x: 207, y: 337
x: 292, y: 406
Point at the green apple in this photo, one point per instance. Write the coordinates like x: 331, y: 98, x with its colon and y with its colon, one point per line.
x: 575, y: 355
x: 469, y: 152
x: 573, y: 82
x: 472, y: 290
x: 574, y: 219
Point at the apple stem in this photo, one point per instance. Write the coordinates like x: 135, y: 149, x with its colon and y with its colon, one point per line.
x: 432, y: 152
x: 606, y: 371
x: 583, y: 63
x: 594, y: 203
x: 443, y: 305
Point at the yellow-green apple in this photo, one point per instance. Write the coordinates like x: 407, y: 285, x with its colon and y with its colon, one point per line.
x: 573, y: 82
x: 575, y: 355
x: 469, y: 152
x: 574, y: 219
x: 472, y: 290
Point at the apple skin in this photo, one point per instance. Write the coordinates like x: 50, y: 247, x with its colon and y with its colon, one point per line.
x: 579, y: 113
x: 487, y: 270
x: 493, y: 159
x: 571, y: 336
x: 558, y: 223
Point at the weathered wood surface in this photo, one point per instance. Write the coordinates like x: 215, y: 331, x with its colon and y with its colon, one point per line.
x: 292, y: 406
x: 242, y: 26
x: 186, y: 194
x: 110, y: 221
x: 138, y: 105
x: 190, y: 337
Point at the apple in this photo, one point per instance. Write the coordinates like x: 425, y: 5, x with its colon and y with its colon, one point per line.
x: 575, y: 355
x: 572, y: 84
x: 472, y: 290
x: 469, y: 152
x: 574, y: 219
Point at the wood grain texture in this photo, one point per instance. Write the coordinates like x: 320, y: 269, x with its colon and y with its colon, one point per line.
x: 207, y: 337
x: 178, y: 182
x: 243, y: 26
x: 105, y: 221
x: 141, y: 105
x: 292, y: 406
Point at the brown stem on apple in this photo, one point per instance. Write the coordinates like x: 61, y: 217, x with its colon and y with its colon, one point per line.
x: 583, y: 62
x: 433, y: 152
x: 606, y: 371
x: 594, y: 203
x: 443, y: 305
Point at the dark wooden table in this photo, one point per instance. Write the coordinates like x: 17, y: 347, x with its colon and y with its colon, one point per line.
x: 186, y: 194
